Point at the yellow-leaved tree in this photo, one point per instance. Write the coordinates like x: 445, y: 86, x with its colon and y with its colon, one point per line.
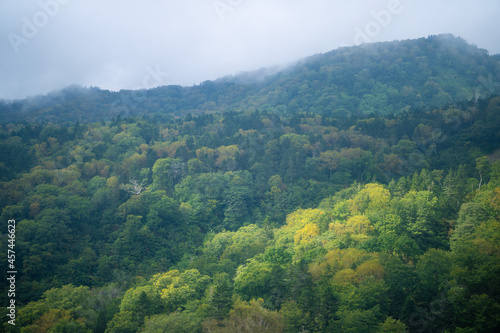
x: 358, y: 228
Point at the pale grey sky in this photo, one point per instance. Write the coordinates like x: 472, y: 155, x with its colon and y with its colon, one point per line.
x: 46, y: 45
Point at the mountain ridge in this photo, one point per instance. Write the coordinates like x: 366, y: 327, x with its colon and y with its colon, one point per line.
x: 381, y: 78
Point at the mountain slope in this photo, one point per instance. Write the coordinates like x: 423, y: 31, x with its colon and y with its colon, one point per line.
x: 381, y: 78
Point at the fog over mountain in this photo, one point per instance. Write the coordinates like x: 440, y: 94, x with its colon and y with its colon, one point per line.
x: 49, y: 44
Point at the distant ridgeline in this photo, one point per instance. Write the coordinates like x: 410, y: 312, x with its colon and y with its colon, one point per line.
x: 381, y: 79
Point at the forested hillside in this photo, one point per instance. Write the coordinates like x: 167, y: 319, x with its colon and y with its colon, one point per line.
x: 263, y: 212
x: 382, y: 78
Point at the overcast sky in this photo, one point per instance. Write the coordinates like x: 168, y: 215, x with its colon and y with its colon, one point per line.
x: 46, y: 45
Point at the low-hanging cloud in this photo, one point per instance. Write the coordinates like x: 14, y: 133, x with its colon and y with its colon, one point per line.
x: 48, y: 44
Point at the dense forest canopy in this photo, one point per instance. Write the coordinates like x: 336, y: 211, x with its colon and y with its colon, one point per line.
x: 358, y: 191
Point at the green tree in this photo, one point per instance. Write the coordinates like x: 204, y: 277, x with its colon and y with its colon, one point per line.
x: 252, y: 280
x: 483, y: 167
x: 123, y: 322
x: 59, y: 309
x: 176, y: 288
x: 220, y: 297
x: 179, y: 322
x: 294, y: 317
x: 391, y: 325
x: 166, y: 173
x: 417, y: 211
x: 247, y: 317
x: 362, y: 321
x: 330, y: 160
x: 433, y: 269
